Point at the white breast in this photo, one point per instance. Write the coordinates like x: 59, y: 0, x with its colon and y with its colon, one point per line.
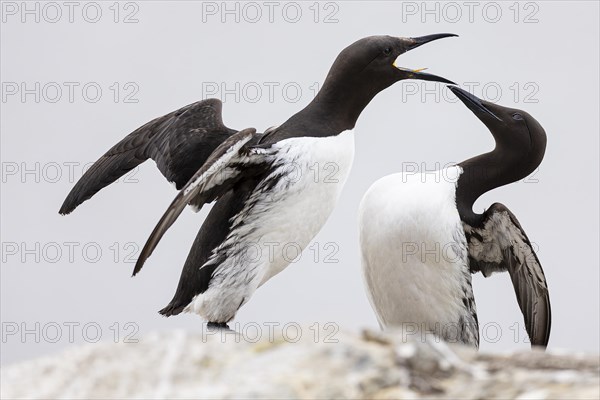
x: 316, y: 170
x: 414, y: 254
x: 278, y: 221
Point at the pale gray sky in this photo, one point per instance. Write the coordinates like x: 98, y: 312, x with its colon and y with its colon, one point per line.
x: 538, y: 56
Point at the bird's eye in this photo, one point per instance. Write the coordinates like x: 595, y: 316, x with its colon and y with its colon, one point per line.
x: 387, y: 51
x: 518, y: 117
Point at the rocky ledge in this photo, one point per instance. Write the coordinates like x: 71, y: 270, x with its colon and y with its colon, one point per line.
x: 357, y: 366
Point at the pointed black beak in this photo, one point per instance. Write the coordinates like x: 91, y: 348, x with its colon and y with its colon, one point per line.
x: 419, y: 41
x: 424, y: 76
x: 473, y: 103
x: 413, y: 43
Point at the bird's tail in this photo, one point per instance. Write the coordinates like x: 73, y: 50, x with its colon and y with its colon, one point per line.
x: 172, y: 309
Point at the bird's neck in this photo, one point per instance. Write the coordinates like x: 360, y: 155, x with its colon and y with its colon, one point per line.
x: 482, y: 174
x: 338, y: 104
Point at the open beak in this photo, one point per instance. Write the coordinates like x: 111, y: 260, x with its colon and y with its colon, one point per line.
x: 413, y: 43
x: 473, y: 103
x: 418, y: 41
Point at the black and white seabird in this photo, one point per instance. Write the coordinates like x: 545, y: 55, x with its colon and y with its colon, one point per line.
x: 266, y: 193
x: 421, y: 240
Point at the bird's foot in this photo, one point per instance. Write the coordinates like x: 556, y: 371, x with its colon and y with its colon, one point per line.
x: 217, y: 326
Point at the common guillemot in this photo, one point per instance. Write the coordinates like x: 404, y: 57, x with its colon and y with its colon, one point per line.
x: 263, y: 185
x: 421, y: 241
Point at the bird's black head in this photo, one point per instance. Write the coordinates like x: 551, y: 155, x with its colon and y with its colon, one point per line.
x: 376, y: 59
x: 519, y: 137
x: 359, y: 72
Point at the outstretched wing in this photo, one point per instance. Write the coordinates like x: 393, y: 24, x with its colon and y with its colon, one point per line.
x: 502, y: 245
x: 179, y: 143
x: 217, y: 176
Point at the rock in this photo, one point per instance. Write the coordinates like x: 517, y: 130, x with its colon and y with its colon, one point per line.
x: 370, y: 365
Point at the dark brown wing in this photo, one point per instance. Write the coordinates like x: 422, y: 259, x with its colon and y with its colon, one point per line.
x: 179, y: 143
x: 217, y: 176
x: 502, y: 245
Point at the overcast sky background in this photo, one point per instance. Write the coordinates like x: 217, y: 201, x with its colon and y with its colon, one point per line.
x: 177, y: 52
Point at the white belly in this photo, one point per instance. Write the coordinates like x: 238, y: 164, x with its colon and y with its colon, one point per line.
x: 414, y: 255
x: 276, y: 225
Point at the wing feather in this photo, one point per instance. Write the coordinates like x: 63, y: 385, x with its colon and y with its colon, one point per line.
x: 502, y: 245
x: 179, y: 143
x: 218, y: 172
